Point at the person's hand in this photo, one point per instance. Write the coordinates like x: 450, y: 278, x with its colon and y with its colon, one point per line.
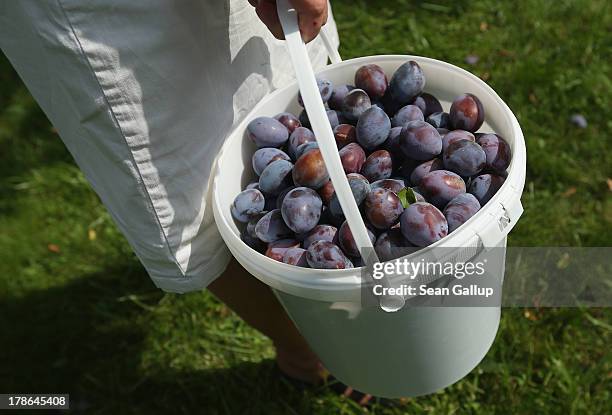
x: 312, y: 14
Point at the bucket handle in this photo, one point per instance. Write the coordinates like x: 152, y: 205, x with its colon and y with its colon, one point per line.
x: 332, y: 52
x: 325, y: 139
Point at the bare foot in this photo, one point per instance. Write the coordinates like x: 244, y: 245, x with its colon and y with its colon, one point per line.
x: 302, y: 365
x: 305, y: 367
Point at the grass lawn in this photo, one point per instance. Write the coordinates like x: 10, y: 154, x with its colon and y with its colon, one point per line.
x: 79, y: 315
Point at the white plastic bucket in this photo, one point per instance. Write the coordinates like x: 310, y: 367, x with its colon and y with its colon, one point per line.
x: 417, y: 350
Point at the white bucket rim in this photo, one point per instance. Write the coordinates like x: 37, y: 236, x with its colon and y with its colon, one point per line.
x: 347, y: 279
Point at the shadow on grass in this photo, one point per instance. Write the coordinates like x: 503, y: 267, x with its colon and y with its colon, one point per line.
x: 86, y: 339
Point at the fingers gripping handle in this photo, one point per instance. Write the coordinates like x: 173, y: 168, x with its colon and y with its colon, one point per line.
x: 325, y: 139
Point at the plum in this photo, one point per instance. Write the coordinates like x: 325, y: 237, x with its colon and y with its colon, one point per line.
x: 281, y: 197
x: 352, y: 157
x: 338, y: 95
x: 320, y: 233
x: 271, y: 227
x: 497, y: 151
x: 277, y: 249
x: 392, y: 244
x: 438, y: 120
x: 460, y: 209
x: 326, y: 255
x: 326, y: 192
x: 395, y: 185
x: 344, y: 134
x: 466, y: 113
x: 422, y: 224
x: 326, y: 89
x: 301, y: 209
x: 267, y: 132
x: 382, y: 208
x: 420, y: 141
x: 355, y: 103
x: 347, y: 242
x: 378, y: 166
x: 247, y: 205
x: 422, y: 169
x: 252, y: 223
x: 372, y: 128
x: 456, y: 135
x: 264, y: 156
x: 464, y: 157
x: 392, y: 143
x: 360, y: 187
x: 289, y: 120
x: 485, y: 186
x: 407, y: 82
x: 440, y: 186
x: 275, y: 177
x: 298, y: 137
x: 335, y: 118
x: 372, y: 79
x: 305, y: 148
x: 406, y: 114
x: 309, y: 170
x: 428, y: 104
x: 295, y: 256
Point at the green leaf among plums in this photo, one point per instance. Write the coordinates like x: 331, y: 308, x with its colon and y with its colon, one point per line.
x: 407, y: 196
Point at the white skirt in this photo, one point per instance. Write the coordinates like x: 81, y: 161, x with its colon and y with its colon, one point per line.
x: 144, y: 94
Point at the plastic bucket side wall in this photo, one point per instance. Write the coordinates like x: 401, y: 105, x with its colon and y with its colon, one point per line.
x: 401, y: 358
x: 413, y: 352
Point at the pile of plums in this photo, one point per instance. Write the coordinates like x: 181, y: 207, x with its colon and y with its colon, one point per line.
x: 417, y: 173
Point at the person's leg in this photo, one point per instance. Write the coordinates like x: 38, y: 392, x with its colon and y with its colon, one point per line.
x: 255, y: 303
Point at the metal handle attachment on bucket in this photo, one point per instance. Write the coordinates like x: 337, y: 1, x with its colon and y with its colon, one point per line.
x: 325, y: 139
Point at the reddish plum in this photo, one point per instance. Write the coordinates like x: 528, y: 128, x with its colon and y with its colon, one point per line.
x: 466, y: 113
x: 378, y: 166
x: 382, y: 208
x: 423, y: 224
x: 277, y: 249
x: 440, y: 186
x: 309, y: 170
x: 320, y: 233
x: 289, y: 120
x: 344, y: 134
x: 352, y: 157
x: 497, y: 152
x: 372, y: 79
x: 295, y: 256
